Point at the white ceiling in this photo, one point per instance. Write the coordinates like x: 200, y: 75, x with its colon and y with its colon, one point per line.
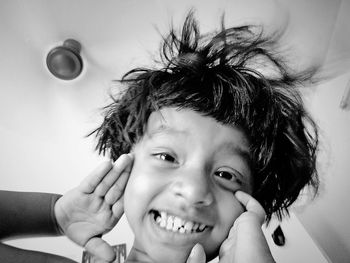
x: 116, y: 35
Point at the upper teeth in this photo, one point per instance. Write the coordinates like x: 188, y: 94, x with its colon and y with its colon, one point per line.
x: 177, y: 224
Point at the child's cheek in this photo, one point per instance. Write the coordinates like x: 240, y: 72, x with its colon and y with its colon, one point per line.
x: 140, y: 181
x: 136, y: 195
x: 140, y: 184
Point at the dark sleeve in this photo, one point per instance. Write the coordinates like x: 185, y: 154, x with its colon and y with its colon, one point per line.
x: 10, y: 254
x: 27, y: 214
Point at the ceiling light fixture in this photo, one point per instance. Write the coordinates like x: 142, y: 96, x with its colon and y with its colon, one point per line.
x: 65, y: 61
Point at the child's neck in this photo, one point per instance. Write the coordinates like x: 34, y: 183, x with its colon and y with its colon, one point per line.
x: 137, y: 256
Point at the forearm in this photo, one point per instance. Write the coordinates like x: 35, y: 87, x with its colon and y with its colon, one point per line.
x: 24, y: 213
x: 10, y: 254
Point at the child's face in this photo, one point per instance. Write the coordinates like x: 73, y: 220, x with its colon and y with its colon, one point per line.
x: 181, y: 188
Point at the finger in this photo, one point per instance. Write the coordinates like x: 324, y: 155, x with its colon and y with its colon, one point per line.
x: 117, y: 190
x: 251, y: 205
x: 226, y: 249
x: 100, y: 248
x: 118, y: 208
x: 121, y: 164
x: 89, y: 184
x: 197, y: 255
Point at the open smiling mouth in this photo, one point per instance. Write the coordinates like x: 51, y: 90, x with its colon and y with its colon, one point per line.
x: 177, y: 224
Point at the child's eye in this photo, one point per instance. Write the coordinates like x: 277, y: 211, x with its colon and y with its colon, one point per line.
x: 165, y: 157
x: 227, y: 176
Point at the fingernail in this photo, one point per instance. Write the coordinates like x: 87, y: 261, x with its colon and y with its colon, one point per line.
x: 195, y: 251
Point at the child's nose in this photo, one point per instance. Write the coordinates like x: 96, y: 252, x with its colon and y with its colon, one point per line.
x: 194, y: 188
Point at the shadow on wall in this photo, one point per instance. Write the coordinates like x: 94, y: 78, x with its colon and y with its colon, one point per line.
x: 333, y: 248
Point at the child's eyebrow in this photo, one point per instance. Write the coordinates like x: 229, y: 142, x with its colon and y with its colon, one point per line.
x: 165, y: 129
x: 230, y: 147
x: 235, y: 149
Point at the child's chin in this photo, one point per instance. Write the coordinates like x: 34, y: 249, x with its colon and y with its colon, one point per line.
x: 174, y: 256
x: 170, y: 255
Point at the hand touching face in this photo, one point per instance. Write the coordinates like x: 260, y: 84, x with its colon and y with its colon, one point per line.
x: 95, y: 206
x: 246, y: 242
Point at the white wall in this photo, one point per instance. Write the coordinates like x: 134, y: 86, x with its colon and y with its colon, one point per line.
x: 327, y: 218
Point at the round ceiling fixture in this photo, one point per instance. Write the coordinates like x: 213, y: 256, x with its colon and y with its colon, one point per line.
x: 65, y: 62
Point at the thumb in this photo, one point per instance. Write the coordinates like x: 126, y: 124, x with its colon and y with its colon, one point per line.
x: 100, y: 248
x: 197, y: 254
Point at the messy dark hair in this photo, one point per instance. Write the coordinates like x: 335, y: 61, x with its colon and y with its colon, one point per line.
x: 220, y: 75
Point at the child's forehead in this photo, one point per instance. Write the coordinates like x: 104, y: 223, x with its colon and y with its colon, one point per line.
x: 175, y: 121
x: 189, y: 123
x: 166, y: 120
